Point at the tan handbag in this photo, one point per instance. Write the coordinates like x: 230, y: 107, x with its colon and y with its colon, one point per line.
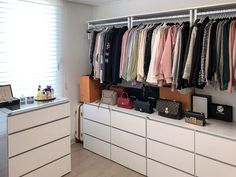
x: 109, y: 97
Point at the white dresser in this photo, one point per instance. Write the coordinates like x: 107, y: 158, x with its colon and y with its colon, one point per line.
x: 160, y: 147
x: 35, y: 140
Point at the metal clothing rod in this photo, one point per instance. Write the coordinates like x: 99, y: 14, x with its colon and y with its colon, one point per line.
x: 216, y: 12
x: 110, y: 24
x: 162, y: 18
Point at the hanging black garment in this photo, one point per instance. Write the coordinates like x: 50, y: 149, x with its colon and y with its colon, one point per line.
x: 91, y: 50
x: 147, y: 55
x: 116, y: 54
x: 108, y: 49
x: 196, y: 58
x: 186, y: 35
x: 226, y: 72
x: 212, y: 53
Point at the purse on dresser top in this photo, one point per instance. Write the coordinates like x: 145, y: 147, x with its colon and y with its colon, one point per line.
x: 169, y: 108
x: 124, y: 101
x: 109, y: 97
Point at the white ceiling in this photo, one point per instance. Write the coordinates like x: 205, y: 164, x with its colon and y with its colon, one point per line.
x: 92, y: 2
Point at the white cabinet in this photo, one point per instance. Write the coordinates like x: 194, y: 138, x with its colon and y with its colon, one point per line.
x: 37, y: 158
x: 37, y: 140
x: 95, y: 145
x: 171, y: 156
x: 37, y: 117
x: 58, y: 168
x: 129, y: 123
x: 176, y: 136
x: 128, y: 141
x: 217, y: 148
x: 96, y: 113
x: 128, y: 159
x: 158, y: 147
x: 210, y: 168
x: 155, y: 169
x: 32, y: 138
x: 97, y: 130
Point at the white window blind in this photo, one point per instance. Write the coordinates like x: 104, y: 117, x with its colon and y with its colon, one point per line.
x: 29, y: 45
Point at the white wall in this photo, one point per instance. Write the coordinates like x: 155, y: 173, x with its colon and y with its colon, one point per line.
x: 74, y: 51
x: 131, y: 7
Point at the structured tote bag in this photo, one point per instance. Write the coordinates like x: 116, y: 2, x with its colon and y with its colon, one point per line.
x: 124, y: 101
x: 169, y: 108
x: 109, y: 97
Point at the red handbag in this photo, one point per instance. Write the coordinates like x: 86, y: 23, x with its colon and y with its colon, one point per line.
x: 124, y: 101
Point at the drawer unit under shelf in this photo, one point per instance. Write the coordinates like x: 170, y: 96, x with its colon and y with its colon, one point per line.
x: 128, y: 141
x: 129, y: 123
x: 177, y: 158
x: 155, y: 169
x: 128, y: 159
x: 97, y: 114
x: 172, y: 135
x: 210, y: 168
x: 97, y: 130
x: 97, y: 146
x: 216, y: 148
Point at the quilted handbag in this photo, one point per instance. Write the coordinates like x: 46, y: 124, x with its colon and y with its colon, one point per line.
x: 124, y: 101
x: 169, y: 108
x: 109, y: 97
x: 143, y: 106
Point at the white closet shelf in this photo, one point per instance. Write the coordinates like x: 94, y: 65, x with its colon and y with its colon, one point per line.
x: 187, y: 13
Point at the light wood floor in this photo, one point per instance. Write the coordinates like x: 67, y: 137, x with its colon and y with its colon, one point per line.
x: 88, y: 164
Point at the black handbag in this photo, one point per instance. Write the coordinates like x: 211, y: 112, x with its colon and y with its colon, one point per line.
x: 143, y: 106
x: 169, y: 108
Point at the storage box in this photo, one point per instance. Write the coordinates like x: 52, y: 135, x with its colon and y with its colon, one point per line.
x: 185, y: 99
x: 90, y: 90
x: 6, y: 97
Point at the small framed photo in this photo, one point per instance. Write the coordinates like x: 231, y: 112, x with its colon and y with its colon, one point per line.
x: 200, y: 104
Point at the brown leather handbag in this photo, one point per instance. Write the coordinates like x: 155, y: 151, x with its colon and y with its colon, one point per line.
x: 169, y: 108
x: 118, y: 89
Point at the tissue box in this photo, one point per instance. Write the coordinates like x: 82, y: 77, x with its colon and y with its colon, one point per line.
x: 6, y: 97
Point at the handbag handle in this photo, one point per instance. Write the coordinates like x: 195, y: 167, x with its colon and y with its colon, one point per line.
x: 124, y: 94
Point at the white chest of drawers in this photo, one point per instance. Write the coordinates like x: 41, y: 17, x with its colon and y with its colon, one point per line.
x: 160, y: 147
x: 35, y: 140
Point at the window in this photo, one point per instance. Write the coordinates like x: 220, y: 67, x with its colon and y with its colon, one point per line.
x: 29, y: 45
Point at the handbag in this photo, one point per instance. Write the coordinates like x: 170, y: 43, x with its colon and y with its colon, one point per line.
x: 169, y: 108
x: 109, y: 97
x: 143, y: 106
x: 124, y: 101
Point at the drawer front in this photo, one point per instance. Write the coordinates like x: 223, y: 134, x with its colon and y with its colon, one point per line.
x: 35, y: 137
x: 54, y: 169
x: 97, y: 114
x: 99, y: 147
x: 128, y: 123
x: 39, y: 157
x: 38, y: 117
x: 97, y: 130
x: 128, y: 159
x: 172, y: 135
x: 128, y: 141
x: 171, y: 156
x: 210, y: 168
x: 155, y: 169
x: 216, y: 148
